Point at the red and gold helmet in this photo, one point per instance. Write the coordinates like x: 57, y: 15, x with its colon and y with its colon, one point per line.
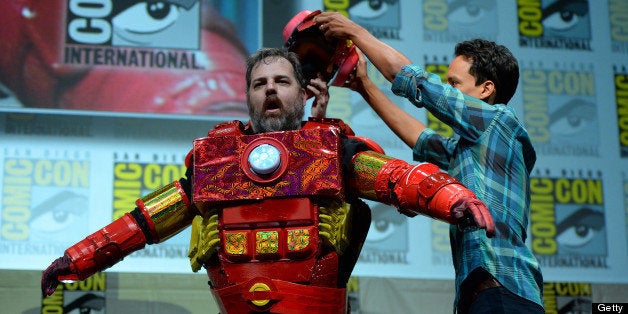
x: 335, y: 60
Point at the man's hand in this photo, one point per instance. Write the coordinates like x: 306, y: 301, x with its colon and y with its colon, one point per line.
x: 384, y: 57
x: 50, y: 277
x: 359, y: 77
x: 318, y: 88
x: 471, y: 212
x: 336, y: 25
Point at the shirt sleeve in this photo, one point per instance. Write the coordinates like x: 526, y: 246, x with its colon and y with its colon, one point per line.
x: 434, y: 148
x: 467, y: 116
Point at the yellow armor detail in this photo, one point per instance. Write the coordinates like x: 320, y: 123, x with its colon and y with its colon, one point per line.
x: 204, y: 240
x: 260, y: 287
x: 333, y: 228
x: 334, y: 225
x: 168, y: 209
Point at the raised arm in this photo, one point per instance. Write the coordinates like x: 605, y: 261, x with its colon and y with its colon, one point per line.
x: 405, y: 126
x: 318, y: 88
x: 386, y: 59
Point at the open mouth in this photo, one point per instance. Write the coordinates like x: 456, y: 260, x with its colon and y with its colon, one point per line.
x: 272, y: 104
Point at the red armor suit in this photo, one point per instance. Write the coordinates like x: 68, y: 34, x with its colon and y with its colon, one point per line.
x: 276, y: 217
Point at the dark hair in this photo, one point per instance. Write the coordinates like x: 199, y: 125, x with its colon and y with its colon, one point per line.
x: 490, y: 61
x: 273, y: 53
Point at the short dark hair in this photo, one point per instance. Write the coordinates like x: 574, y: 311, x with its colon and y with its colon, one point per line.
x: 274, y: 53
x: 490, y: 61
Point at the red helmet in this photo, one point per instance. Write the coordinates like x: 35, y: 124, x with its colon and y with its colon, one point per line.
x: 333, y: 59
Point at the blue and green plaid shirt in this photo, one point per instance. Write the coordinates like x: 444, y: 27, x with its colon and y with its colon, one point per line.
x: 491, y: 155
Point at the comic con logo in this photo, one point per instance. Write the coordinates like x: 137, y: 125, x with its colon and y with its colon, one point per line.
x: 86, y: 296
x: 558, y: 24
x: 567, y: 297
x: 42, y: 199
x: 133, y: 23
x: 621, y: 98
x: 567, y: 222
x: 147, y: 34
x: 380, y: 18
x: 560, y: 110
x: 439, y: 68
x: 454, y: 21
x: 134, y: 179
x: 387, y: 239
x: 618, y: 17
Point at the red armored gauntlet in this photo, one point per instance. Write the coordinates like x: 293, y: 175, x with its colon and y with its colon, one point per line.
x: 104, y: 248
x: 413, y: 189
x: 158, y: 216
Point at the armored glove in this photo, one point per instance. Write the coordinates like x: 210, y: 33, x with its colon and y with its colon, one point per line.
x: 49, y: 280
x: 470, y: 212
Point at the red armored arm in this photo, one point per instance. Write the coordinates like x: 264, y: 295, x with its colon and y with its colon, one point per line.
x: 416, y: 189
x: 413, y: 189
x: 158, y: 216
x: 103, y: 248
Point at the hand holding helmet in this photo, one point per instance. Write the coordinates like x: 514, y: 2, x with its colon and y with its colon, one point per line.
x: 331, y: 59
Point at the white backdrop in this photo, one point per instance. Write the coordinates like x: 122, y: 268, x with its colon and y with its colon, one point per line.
x: 67, y: 173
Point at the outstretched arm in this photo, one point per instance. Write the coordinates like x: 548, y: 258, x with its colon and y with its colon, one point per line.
x: 386, y: 59
x: 418, y: 189
x: 98, y: 251
x: 157, y: 217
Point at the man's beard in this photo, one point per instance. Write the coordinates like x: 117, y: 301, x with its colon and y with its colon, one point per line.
x: 288, y: 119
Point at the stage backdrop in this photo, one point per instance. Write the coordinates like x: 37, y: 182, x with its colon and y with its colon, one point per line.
x: 101, y: 101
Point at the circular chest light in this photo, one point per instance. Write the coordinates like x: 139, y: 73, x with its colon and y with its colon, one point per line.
x: 264, y: 159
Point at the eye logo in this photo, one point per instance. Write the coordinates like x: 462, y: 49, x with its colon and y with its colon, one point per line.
x: 457, y: 20
x: 561, y: 111
x: 173, y: 24
x: 561, y: 24
x: 567, y: 220
x: 380, y: 18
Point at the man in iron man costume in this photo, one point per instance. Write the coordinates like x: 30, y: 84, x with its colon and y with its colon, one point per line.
x: 275, y: 205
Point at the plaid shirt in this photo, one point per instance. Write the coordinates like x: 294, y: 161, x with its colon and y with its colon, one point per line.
x: 491, y: 155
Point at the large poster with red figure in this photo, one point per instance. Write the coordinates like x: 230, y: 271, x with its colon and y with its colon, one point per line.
x: 170, y: 56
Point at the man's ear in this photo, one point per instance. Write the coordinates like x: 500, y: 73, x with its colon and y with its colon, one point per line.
x: 304, y: 95
x: 488, y: 92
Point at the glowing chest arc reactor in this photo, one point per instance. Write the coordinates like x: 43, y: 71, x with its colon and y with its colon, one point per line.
x: 264, y: 160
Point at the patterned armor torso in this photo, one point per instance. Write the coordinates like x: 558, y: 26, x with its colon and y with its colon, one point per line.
x: 260, y: 199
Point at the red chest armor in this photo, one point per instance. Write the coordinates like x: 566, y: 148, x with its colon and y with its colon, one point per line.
x: 308, y: 165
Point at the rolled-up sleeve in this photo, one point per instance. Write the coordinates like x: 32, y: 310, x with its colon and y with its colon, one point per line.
x: 407, y: 83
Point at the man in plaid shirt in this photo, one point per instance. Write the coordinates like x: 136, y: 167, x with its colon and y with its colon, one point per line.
x: 491, y: 154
